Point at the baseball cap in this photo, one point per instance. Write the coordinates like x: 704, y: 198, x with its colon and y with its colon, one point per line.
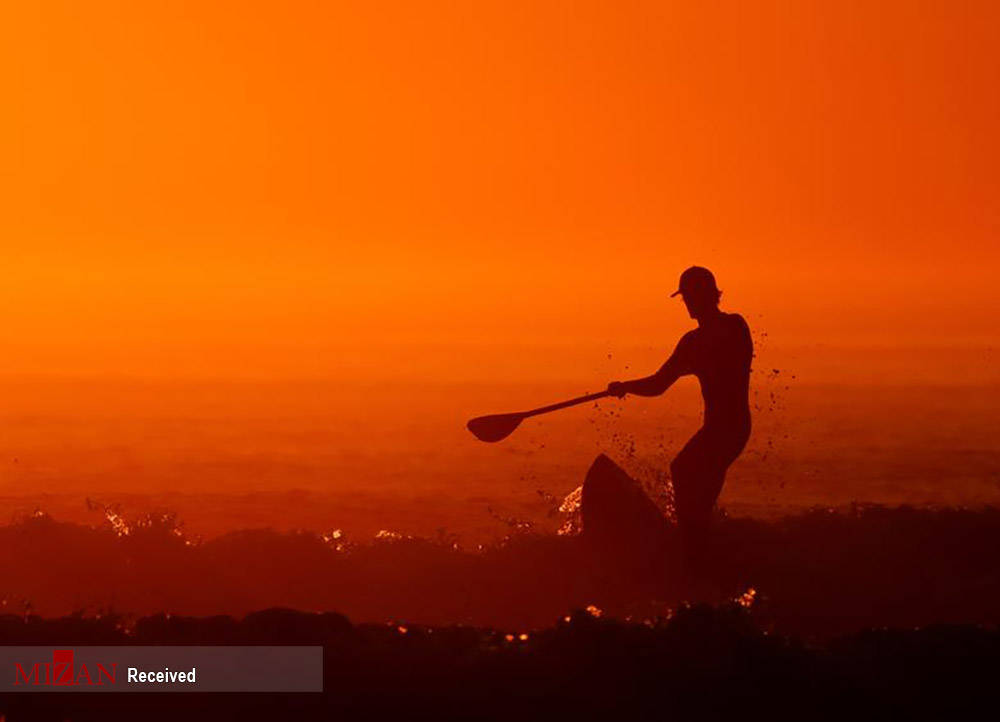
x: 696, y: 279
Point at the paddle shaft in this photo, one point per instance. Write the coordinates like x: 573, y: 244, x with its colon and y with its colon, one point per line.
x: 564, y: 404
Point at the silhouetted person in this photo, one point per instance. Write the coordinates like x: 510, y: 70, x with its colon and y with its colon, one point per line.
x: 719, y: 353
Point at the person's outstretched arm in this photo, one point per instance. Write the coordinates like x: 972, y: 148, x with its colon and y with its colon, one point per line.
x: 654, y: 385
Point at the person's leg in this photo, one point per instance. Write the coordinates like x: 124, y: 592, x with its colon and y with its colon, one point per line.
x: 688, y: 471
x: 697, y: 477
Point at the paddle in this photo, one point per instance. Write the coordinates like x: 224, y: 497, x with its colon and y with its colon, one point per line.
x: 500, y: 426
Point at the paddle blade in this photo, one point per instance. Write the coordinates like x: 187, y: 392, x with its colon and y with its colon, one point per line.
x: 494, y: 428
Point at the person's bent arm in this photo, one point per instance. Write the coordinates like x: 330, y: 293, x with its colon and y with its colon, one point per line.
x: 657, y: 383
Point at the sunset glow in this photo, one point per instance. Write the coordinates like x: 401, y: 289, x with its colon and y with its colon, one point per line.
x: 219, y: 189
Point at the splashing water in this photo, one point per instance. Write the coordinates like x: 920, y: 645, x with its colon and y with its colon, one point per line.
x: 571, y: 507
x: 336, y: 539
x: 572, y: 501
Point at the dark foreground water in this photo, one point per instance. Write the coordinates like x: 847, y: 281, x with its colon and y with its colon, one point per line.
x: 870, y: 613
x: 703, y: 663
x: 816, y: 574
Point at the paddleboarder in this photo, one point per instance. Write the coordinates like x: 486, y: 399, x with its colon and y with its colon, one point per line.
x: 719, y: 354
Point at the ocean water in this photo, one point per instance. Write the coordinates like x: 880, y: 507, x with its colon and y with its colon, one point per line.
x: 321, y: 455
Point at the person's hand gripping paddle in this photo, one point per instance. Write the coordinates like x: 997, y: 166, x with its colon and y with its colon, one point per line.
x: 499, y: 426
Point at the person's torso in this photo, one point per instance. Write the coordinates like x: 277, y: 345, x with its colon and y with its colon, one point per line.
x: 720, y: 355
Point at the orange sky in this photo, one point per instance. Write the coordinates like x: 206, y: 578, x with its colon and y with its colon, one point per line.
x: 224, y: 188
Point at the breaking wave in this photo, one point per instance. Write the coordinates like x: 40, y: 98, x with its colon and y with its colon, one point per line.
x: 816, y: 574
